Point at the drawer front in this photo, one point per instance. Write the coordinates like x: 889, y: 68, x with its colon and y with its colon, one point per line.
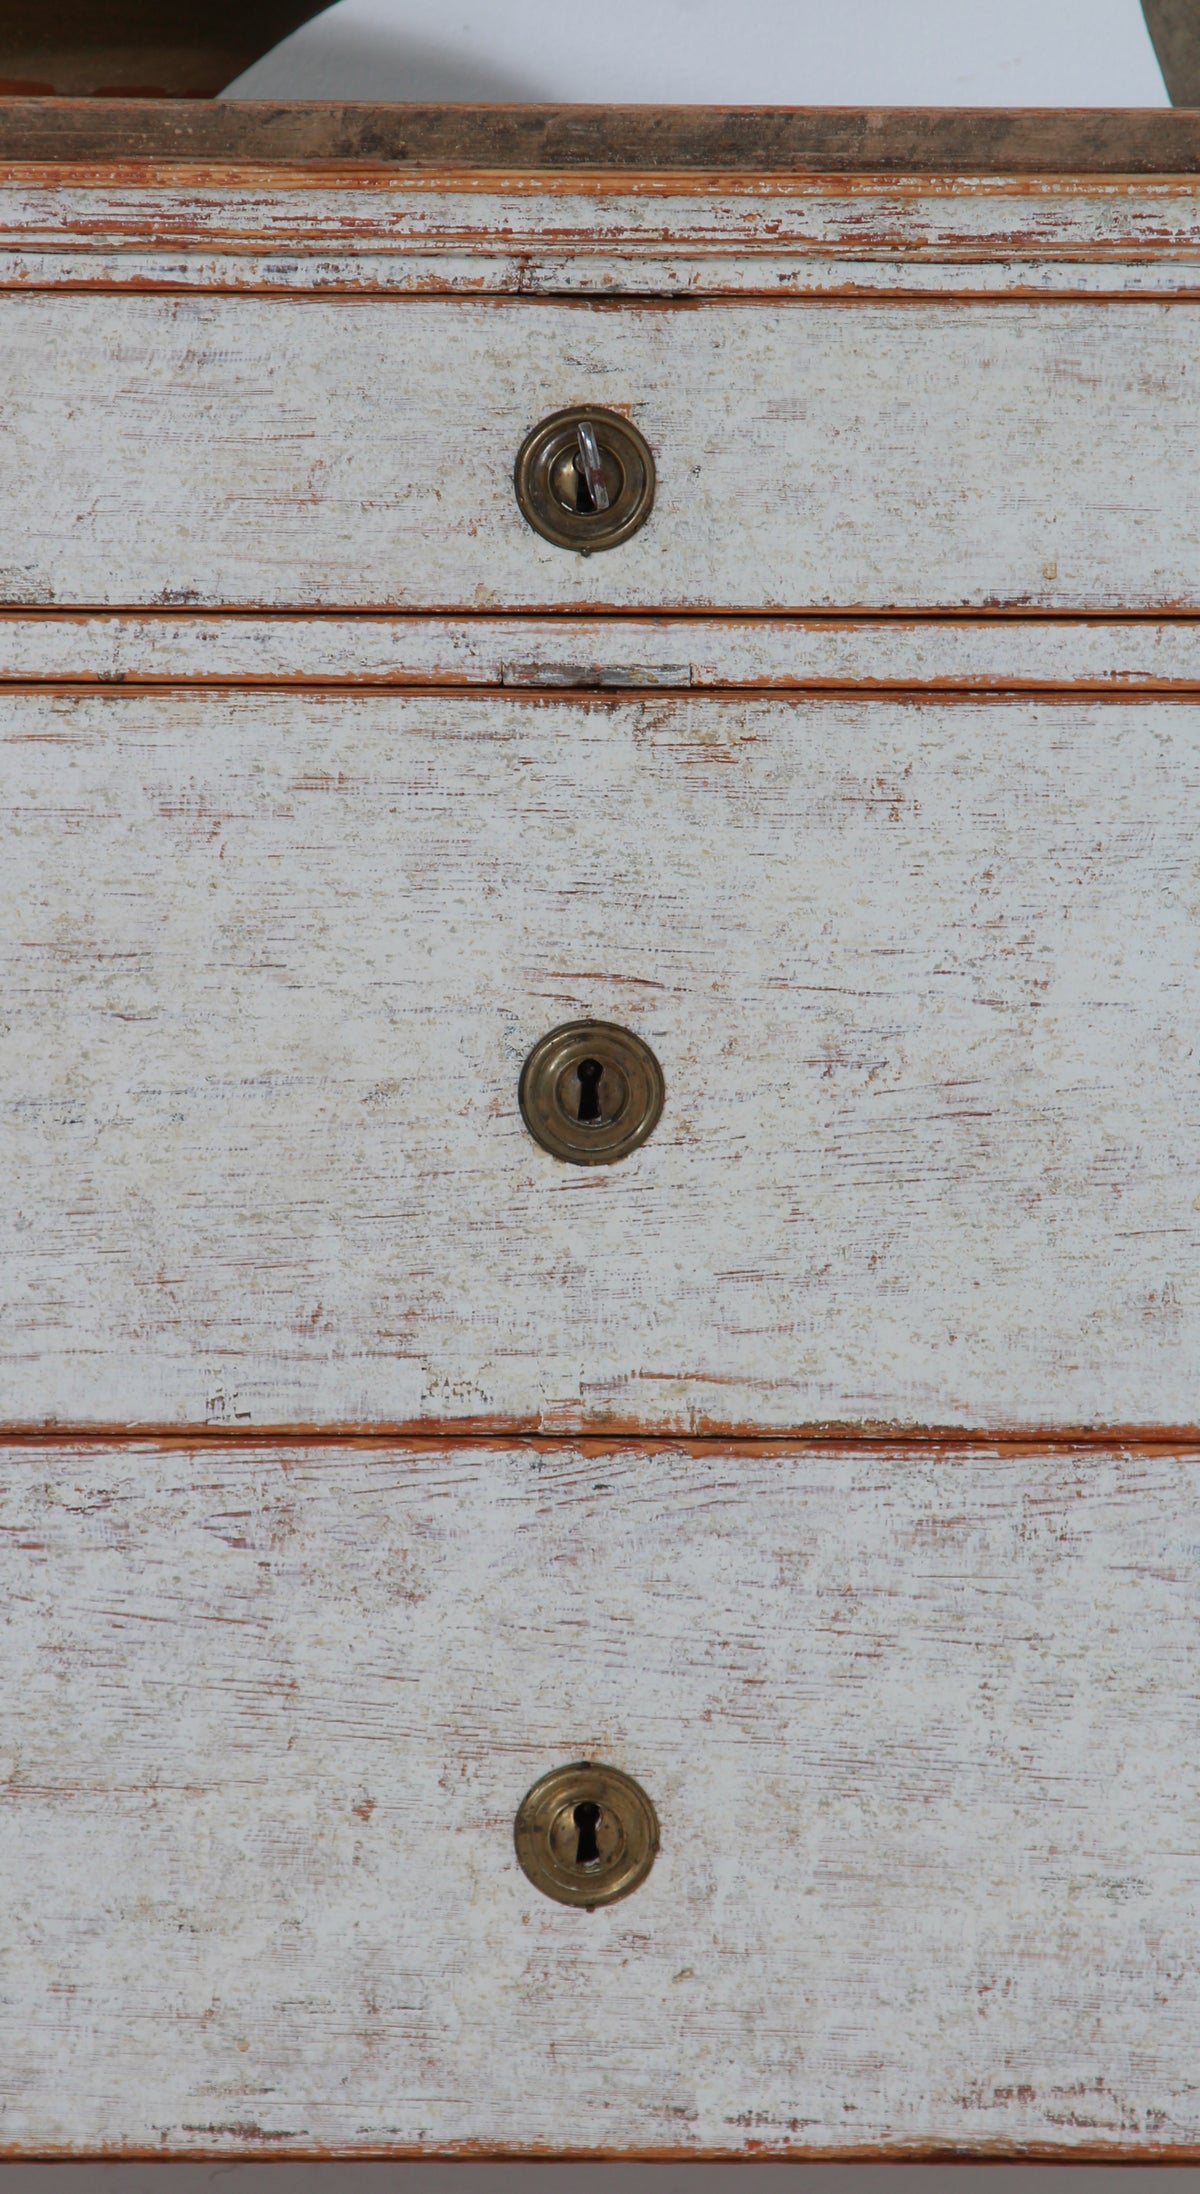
x: 923, y: 978
x: 919, y: 1730
x: 274, y: 452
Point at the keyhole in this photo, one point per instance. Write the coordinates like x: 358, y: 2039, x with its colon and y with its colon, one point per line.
x: 587, y: 1820
x: 589, y: 1072
x: 584, y: 499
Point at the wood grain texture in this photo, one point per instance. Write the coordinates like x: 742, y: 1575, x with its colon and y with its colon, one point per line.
x: 898, y: 140
x: 923, y: 977
x: 601, y: 233
x: 1004, y: 654
x: 554, y: 272
x: 208, y: 451
x: 919, y: 1729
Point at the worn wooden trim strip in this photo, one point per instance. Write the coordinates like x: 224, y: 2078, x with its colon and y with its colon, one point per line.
x: 258, y: 2149
x: 413, y: 232
x: 884, y: 655
x: 715, y: 276
x: 660, y: 194
x: 849, y: 215
x: 973, y: 140
x: 547, y: 1435
x: 920, y: 1732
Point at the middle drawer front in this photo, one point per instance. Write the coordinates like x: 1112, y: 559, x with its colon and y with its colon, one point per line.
x: 268, y: 452
x: 923, y: 979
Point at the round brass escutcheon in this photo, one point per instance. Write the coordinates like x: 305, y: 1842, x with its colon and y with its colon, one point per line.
x: 586, y: 1834
x: 585, y: 479
x: 591, y: 1092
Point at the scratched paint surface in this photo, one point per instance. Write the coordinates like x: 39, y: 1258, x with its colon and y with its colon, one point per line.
x: 608, y: 233
x: 923, y: 977
x: 964, y: 654
x: 548, y: 267
x: 919, y: 1727
x: 236, y: 450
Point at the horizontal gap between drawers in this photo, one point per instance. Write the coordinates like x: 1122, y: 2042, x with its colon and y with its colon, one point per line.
x: 366, y: 292
x: 423, y: 1434
x: 860, y: 690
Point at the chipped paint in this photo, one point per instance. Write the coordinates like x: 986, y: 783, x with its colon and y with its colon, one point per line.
x: 907, y: 903
x: 922, y: 977
x: 918, y: 1733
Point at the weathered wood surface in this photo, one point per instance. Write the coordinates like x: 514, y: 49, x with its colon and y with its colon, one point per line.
x: 551, y: 271
x: 897, y: 140
x: 209, y: 451
x: 920, y: 1728
x: 924, y: 978
x: 605, y: 233
x: 1003, y: 654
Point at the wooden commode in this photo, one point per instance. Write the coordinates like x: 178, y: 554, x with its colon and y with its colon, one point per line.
x: 600, y: 1116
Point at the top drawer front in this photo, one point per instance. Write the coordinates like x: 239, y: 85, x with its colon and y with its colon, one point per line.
x: 304, y: 452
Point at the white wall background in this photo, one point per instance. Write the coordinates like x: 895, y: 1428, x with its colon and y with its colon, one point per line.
x: 1088, y: 53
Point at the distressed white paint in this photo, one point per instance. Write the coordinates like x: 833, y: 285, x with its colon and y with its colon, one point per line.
x: 920, y: 1728
x: 583, y: 274
x: 263, y: 213
x: 924, y: 978
x: 276, y: 229
x: 1008, y: 653
x: 283, y: 452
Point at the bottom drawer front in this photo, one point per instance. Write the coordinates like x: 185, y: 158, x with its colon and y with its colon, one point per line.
x: 919, y: 1728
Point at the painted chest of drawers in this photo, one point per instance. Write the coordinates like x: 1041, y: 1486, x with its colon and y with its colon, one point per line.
x: 830, y: 1463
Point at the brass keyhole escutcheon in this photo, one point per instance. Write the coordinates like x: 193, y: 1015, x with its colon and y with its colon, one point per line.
x: 585, y: 479
x: 586, y: 1834
x: 591, y: 1092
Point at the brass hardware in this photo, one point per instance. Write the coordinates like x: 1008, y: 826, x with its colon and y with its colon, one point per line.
x: 585, y: 479
x: 586, y: 1834
x: 591, y: 1092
